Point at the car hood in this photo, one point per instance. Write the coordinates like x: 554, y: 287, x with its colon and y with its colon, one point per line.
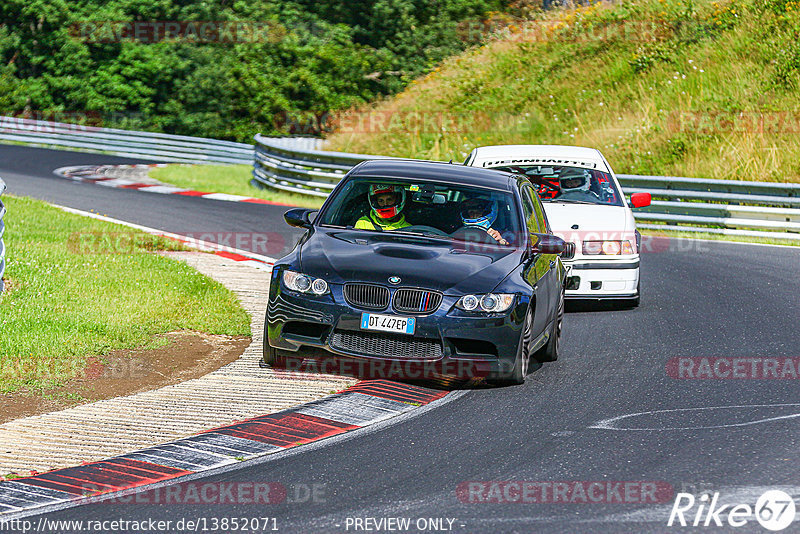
x: 350, y: 256
x: 593, y: 222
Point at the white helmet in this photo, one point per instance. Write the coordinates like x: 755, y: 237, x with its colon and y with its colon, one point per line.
x: 574, y: 180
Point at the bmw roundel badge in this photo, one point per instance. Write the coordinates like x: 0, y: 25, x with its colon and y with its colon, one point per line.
x: 394, y: 279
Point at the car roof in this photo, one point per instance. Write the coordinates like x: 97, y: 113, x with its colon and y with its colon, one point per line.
x: 454, y: 173
x: 553, y: 154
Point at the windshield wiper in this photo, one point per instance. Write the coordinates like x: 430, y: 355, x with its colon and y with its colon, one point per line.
x: 571, y: 201
x: 422, y: 233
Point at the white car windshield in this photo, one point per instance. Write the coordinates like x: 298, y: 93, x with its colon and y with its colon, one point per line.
x: 569, y: 184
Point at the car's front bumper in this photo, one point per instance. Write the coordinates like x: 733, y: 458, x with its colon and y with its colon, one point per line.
x: 447, y: 342
x: 602, y: 278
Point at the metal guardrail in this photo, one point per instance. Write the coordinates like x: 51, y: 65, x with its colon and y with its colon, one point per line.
x: 750, y: 209
x: 730, y: 207
x: 309, y: 172
x: 150, y: 145
x: 2, y: 231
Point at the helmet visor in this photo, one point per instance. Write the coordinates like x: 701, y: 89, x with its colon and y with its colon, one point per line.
x: 386, y: 200
x: 573, y: 180
x: 475, y: 209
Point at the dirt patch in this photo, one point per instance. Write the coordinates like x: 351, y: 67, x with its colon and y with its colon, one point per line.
x: 186, y: 355
x: 10, y: 285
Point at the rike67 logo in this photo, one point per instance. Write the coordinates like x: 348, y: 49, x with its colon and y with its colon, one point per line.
x: 774, y: 510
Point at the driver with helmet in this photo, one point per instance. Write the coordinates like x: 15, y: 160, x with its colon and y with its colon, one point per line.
x: 481, y: 213
x: 575, y: 184
x: 386, y: 206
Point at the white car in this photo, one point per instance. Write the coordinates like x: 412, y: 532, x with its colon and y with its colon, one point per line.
x: 584, y: 205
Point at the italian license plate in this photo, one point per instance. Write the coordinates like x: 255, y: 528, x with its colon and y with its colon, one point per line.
x: 388, y: 323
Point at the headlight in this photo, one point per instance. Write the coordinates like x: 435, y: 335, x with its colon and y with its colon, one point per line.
x: 304, y: 283
x: 489, y: 303
x: 607, y: 248
x: 469, y: 302
x: 319, y: 286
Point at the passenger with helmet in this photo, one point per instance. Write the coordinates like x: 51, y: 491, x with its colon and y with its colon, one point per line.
x: 575, y: 185
x: 481, y: 213
x: 386, y: 206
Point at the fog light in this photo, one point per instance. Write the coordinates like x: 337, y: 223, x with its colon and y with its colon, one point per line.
x: 573, y: 282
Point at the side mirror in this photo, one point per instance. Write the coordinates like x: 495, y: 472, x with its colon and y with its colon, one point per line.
x: 548, y: 244
x: 641, y: 200
x: 298, y: 217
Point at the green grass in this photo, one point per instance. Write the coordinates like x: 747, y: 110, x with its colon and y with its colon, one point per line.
x: 231, y: 179
x: 78, y: 287
x: 592, y: 76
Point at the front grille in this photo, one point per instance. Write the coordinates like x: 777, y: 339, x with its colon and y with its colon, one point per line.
x: 366, y: 296
x: 386, y: 345
x: 416, y: 301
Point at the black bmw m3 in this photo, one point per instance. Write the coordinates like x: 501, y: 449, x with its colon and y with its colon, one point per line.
x: 422, y: 265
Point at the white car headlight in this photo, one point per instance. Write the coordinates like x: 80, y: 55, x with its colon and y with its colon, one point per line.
x: 607, y: 248
x: 488, y: 303
x: 304, y: 284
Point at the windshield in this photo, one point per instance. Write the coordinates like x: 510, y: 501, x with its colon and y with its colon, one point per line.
x: 431, y: 209
x: 569, y: 184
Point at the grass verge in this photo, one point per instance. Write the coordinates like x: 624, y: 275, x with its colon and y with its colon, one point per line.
x: 79, y: 288
x: 231, y: 179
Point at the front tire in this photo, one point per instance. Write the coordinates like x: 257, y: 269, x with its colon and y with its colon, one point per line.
x: 549, y: 353
x: 522, y: 360
x: 270, y: 355
x: 272, y: 358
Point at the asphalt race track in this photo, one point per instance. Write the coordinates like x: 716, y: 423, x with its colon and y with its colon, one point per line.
x: 29, y: 172
x: 735, y: 436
